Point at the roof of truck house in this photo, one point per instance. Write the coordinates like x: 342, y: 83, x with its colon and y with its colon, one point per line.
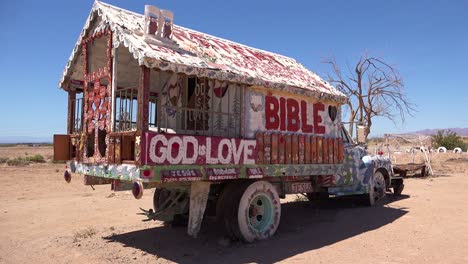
x: 201, y: 54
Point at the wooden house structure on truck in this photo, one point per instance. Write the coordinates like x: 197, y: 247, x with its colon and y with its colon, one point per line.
x: 205, y: 121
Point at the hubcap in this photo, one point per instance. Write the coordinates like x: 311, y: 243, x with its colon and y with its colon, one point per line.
x: 260, y: 212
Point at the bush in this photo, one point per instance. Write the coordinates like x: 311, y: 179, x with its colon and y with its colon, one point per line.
x: 448, y: 139
x: 3, y: 160
x: 17, y: 162
x: 36, y: 158
x: 20, y: 161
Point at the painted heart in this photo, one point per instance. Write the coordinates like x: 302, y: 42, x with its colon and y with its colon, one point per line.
x: 220, y: 89
x: 332, y: 111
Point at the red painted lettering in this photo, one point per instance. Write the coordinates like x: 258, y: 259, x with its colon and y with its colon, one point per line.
x: 271, y: 113
x: 319, y: 129
x: 293, y: 114
x: 306, y: 128
x: 282, y: 114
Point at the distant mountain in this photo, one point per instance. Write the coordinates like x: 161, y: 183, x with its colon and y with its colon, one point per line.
x: 24, y: 139
x: 460, y: 131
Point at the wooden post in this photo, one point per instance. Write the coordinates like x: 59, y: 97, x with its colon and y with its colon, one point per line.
x: 71, y: 112
x: 143, y: 100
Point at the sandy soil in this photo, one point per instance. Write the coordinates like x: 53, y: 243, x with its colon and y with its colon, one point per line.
x: 45, y: 220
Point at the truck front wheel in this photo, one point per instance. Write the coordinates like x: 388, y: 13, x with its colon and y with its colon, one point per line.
x: 398, y: 187
x: 255, y: 211
x: 377, y: 189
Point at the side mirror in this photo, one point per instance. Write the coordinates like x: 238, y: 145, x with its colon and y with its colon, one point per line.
x: 361, y: 134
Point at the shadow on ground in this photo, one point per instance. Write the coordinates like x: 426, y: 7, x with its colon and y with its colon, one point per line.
x: 304, y: 227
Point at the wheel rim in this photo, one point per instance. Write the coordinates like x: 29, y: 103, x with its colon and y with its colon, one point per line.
x: 260, y: 213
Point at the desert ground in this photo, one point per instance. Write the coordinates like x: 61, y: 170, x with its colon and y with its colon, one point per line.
x: 45, y: 220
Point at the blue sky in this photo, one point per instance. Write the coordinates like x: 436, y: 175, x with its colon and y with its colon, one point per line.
x: 426, y: 40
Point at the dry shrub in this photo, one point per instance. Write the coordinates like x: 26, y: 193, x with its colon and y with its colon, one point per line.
x: 17, y: 162
x: 85, y: 233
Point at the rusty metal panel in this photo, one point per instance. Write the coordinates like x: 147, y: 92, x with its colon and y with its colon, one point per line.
x: 274, y: 148
x: 319, y: 150
x: 288, y: 155
x: 295, y: 149
x: 260, y: 148
x: 92, y: 180
x: 267, y: 147
x: 62, y: 147
x: 307, y: 149
x: 301, y: 149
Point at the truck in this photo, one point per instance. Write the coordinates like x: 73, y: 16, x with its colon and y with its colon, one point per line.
x: 213, y: 126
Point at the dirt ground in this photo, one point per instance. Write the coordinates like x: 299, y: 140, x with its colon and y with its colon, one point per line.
x: 45, y: 220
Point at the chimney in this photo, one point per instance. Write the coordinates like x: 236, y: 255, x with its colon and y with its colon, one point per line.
x: 158, y: 23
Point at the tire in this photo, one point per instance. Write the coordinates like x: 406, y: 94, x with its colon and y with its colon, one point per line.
x: 233, y: 196
x: 221, y: 204
x: 398, y: 188
x: 258, y: 211
x: 377, y: 189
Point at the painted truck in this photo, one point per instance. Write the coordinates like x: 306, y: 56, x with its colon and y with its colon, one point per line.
x: 215, y: 127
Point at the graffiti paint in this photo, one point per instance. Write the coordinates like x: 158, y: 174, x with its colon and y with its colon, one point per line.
x: 175, y: 149
x: 291, y: 115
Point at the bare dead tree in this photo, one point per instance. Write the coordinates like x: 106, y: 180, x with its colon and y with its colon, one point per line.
x: 374, y: 88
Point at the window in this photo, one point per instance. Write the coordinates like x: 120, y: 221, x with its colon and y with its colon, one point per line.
x: 345, y: 136
x: 126, y: 105
x: 78, y: 114
x: 199, y: 106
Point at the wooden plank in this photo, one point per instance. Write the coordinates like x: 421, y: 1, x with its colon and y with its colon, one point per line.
x: 267, y: 147
x: 336, y: 159
x: 260, y: 149
x: 281, y: 148
x: 111, y: 150
x: 313, y: 149
x: 295, y: 149
x: 117, y: 149
x: 71, y: 112
x: 307, y: 149
x: 340, y: 150
x: 319, y: 150
x: 274, y: 148
x: 330, y: 151
x: 301, y: 149
x: 325, y: 151
x: 143, y: 99
x: 288, y: 154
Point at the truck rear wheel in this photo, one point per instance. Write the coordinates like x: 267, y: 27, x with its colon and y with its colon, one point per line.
x: 254, y: 212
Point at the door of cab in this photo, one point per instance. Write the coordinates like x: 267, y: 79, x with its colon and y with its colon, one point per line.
x: 353, y: 170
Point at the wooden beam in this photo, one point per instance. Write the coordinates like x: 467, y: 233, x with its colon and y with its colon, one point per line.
x: 143, y: 99
x: 71, y: 111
